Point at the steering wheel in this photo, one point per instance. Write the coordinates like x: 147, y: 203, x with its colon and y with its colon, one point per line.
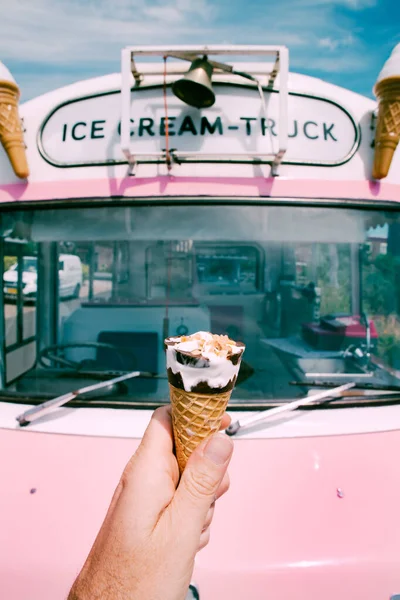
x: 49, y: 353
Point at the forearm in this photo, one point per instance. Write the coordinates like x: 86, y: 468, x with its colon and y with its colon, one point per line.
x: 92, y: 589
x: 142, y: 552
x: 96, y: 582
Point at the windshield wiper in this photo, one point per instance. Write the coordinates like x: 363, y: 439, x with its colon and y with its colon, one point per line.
x: 361, y: 385
x: 43, y: 409
x: 268, y: 414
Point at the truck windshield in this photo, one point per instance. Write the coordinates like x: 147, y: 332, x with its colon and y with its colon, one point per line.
x: 29, y: 265
x: 313, y: 292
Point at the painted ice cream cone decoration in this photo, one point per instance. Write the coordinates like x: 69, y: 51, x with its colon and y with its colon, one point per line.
x: 202, y: 372
x: 11, y: 133
x: 387, y: 91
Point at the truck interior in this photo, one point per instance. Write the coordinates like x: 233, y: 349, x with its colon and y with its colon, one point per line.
x: 312, y: 291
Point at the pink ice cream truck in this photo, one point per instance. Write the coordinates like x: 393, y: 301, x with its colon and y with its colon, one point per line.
x: 205, y: 189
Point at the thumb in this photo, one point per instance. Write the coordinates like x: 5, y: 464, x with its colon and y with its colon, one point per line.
x: 201, y: 479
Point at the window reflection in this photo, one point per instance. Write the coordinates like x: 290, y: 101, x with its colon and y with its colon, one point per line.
x: 295, y: 284
x: 19, y: 301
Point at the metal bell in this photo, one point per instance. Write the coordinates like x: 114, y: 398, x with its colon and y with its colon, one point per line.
x: 195, y: 87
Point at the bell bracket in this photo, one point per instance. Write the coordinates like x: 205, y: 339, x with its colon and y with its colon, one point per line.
x: 277, y: 56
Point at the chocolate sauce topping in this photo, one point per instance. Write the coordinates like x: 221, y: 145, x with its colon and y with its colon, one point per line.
x: 187, y: 358
x: 234, y: 358
x: 175, y: 379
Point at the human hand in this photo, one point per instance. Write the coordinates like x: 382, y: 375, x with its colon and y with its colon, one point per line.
x: 156, y: 524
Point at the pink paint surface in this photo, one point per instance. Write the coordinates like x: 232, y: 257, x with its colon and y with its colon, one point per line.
x: 191, y: 186
x: 281, y: 532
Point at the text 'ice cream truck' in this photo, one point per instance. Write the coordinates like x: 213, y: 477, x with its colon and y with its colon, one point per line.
x: 207, y: 189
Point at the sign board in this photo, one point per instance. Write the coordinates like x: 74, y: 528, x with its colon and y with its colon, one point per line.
x: 86, y: 131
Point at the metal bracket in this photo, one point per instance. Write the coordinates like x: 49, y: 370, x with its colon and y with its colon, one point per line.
x: 374, y: 118
x: 275, y: 165
x: 129, y: 70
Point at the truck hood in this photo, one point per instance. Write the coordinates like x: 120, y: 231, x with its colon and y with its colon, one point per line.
x: 305, y: 518
x: 12, y: 277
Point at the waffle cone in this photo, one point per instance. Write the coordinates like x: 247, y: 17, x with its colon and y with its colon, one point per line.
x: 388, y: 125
x: 11, y: 133
x: 195, y: 417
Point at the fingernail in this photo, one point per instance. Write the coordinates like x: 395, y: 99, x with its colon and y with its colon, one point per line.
x: 219, y: 448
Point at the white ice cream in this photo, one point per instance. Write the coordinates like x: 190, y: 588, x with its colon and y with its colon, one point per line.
x: 5, y: 74
x: 391, y: 68
x: 213, y: 368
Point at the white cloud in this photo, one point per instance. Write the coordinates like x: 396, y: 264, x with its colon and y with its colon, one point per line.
x: 180, y: 11
x: 351, y: 4
x: 83, y: 38
x: 70, y: 32
x: 168, y: 14
x: 360, y: 4
x: 328, y: 43
x: 334, y: 44
x: 338, y: 64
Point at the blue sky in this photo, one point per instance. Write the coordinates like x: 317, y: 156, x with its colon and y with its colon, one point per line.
x: 50, y: 43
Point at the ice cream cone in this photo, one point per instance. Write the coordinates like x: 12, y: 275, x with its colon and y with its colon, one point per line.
x: 388, y: 125
x: 202, y: 372
x: 11, y: 133
x: 194, y: 418
x: 387, y: 91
